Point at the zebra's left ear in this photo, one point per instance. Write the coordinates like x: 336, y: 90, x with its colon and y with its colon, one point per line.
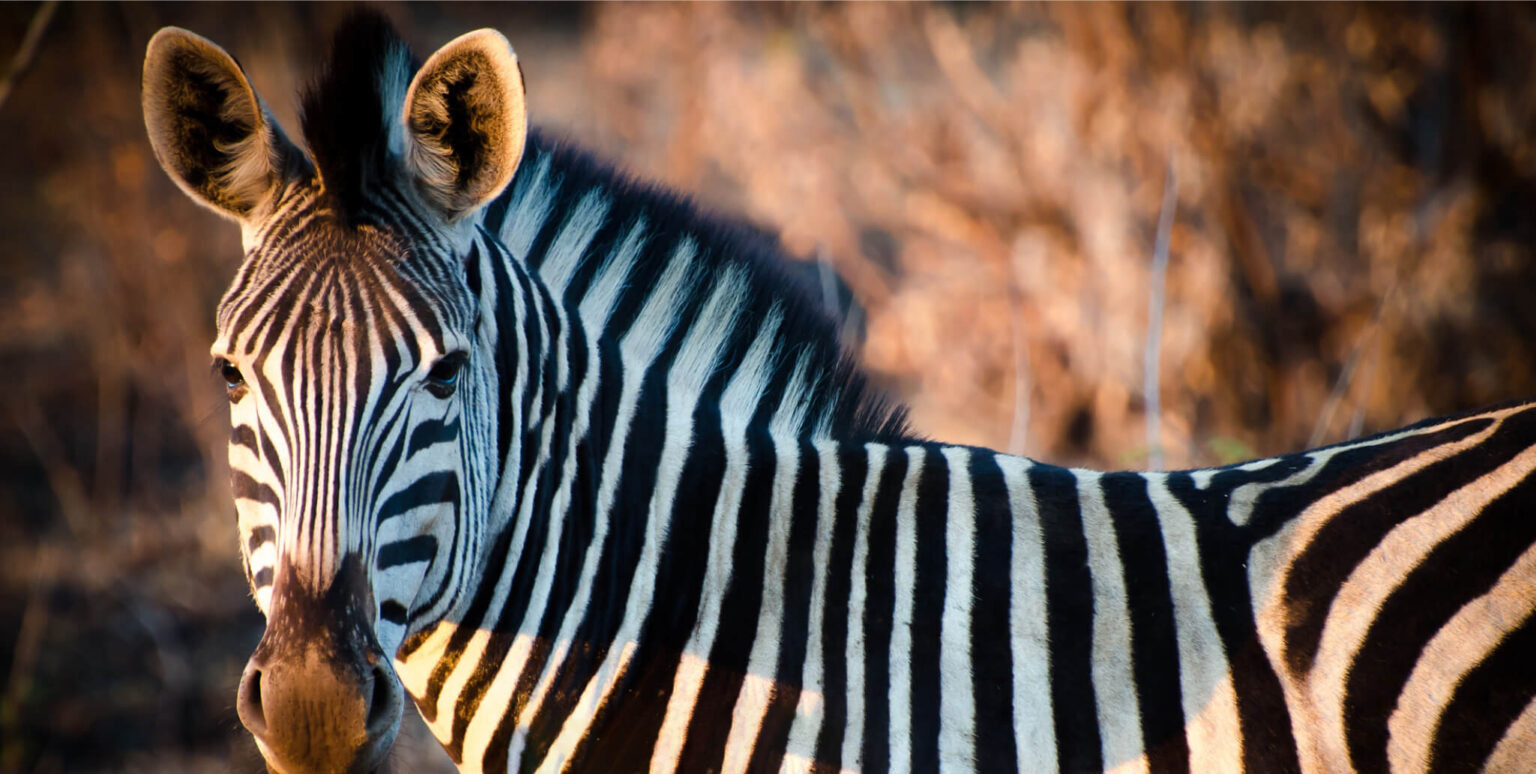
x: 466, y: 121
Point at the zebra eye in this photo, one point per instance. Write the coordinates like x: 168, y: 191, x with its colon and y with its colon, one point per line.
x: 230, y: 373
x: 234, y: 381
x: 444, y: 376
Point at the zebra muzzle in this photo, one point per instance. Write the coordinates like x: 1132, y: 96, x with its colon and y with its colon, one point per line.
x: 318, y: 695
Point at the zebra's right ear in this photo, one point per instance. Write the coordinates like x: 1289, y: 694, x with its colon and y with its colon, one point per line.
x: 209, y: 129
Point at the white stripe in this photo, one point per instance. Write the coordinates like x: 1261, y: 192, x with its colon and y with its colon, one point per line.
x: 566, y: 251
x: 1517, y: 748
x: 1034, y: 725
x: 762, y: 663
x: 1460, y: 645
x: 1210, y: 703
x: 597, y: 304
x: 957, y: 714
x: 858, y: 595
x: 1355, y: 607
x: 905, y: 585
x: 1270, y: 560
x: 1114, y: 684
x: 737, y: 405
x: 810, y: 711
x: 637, y: 351
x: 530, y: 206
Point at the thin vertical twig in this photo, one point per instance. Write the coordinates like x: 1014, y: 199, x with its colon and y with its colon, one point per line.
x: 1347, y: 375
x: 1150, y: 389
x: 828, y: 280
x: 1018, y: 433
x: 28, y: 49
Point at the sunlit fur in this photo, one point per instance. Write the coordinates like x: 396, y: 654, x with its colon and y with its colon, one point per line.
x: 662, y: 523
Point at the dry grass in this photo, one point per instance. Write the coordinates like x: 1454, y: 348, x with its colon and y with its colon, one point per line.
x: 1351, y: 251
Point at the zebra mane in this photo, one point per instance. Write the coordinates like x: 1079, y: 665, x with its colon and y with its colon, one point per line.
x: 351, y: 123
x: 556, y: 177
x: 351, y: 111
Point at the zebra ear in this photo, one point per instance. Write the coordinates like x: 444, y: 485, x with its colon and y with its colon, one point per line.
x: 466, y: 120
x: 209, y: 129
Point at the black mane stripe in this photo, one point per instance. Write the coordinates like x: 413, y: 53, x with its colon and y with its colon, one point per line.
x: 841, y: 395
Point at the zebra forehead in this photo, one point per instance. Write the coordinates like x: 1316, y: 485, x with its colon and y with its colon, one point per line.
x: 331, y: 277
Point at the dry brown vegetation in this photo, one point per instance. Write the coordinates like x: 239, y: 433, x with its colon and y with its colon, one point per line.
x: 1351, y: 250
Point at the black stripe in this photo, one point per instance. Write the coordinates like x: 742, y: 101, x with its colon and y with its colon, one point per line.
x: 626, y: 537
x: 601, y: 251
x: 575, y: 541
x: 991, y: 624
x: 794, y: 632
x: 410, y: 551
x: 928, y: 608
x: 1154, y: 644
x: 524, y: 575
x: 646, y: 272
x: 1342, y: 543
x: 246, y: 488
x: 630, y: 731
x: 258, y: 536
x: 853, y: 465
x: 1069, y: 619
x: 474, y: 617
x: 1264, y: 721
x: 710, y: 725
x: 243, y: 435
x: 269, y: 456
x: 383, y: 416
x: 432, y: 488
x: 1488, y: 700
x: 879, y: 610
x: 507, y: 354
x: 386, y: 467
x: 433, y: 432
x: 393, y: 612
x: 495, y: 213
x: 562, y: 199
x: 1462, y: 568
x: 612, y: 583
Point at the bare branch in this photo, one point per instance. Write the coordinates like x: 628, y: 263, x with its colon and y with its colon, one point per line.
x: 1346, y: 377
x: 1150, y: 389
x: 1018, y: 433
x: 28, y: 50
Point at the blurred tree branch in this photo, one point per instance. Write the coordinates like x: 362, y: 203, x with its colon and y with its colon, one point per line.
x: 28, y: 49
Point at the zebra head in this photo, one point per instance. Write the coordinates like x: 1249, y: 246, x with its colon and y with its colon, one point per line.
x: 362, y: 390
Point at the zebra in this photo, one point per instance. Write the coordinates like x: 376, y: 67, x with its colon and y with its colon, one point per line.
x: 582, y: 470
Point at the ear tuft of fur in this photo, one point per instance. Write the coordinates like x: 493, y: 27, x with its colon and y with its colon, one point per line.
x: 466, y: 122
x: 351, y: 112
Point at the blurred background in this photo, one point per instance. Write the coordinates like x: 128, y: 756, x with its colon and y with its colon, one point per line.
x: 1350, y: 191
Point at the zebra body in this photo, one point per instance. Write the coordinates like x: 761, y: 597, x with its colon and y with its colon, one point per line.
x: 577, y: 468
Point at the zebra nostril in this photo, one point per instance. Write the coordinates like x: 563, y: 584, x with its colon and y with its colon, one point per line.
x: 248, y: 702
x: 384, y: 705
